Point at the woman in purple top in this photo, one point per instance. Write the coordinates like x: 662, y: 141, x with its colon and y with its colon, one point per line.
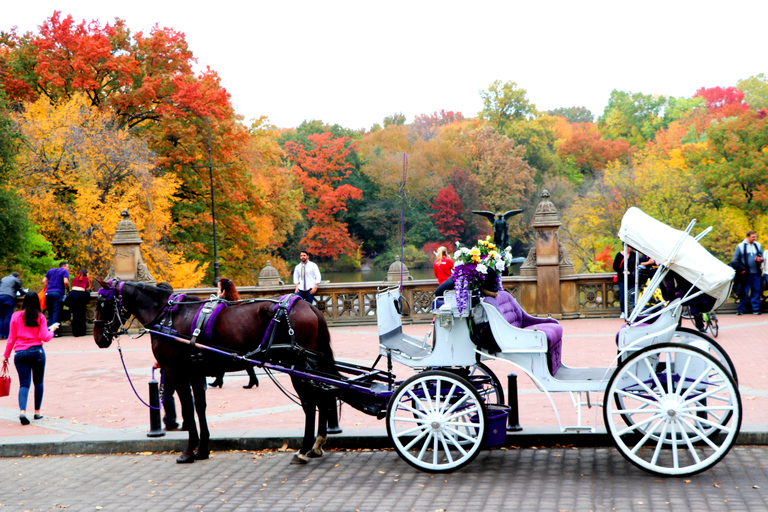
x: 56, y: 282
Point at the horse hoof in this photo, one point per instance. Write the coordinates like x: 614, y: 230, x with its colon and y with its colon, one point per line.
x: 315, y: 455
x: 299, y: 459
x: 202, y: 455
x: 185, y: 458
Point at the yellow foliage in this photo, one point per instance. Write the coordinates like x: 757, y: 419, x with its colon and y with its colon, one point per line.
x: 78, y: 173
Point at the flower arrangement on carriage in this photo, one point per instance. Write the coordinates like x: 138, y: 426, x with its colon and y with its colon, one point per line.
x: 478, y: 268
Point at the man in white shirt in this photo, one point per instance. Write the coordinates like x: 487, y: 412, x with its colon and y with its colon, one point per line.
x: 306, y: 276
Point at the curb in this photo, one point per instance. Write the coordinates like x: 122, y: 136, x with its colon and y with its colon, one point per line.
x: 351, y: 439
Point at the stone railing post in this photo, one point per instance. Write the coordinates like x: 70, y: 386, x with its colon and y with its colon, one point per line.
x: 127, y: 264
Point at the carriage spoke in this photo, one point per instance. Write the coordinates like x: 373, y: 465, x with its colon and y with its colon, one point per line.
x: 447, y: 401
x: 696, y: 383
x: 654, y: 377
x: 461, y: 434
x: 425, y: 445
x: 463, y: 412
x: 427, y: 397
x: 634, y: 396
x: 404, y: 407
x: 683, y: 376
x: 643, y: 385
x: 673, y: 435
x: 640, y: 424
x: 458, y: 403
x: 415, y: 439
x: 659, y: 444
x: 447, y: 450
x: 416, y: 400
x: 691, y: 449
x: 706, y: 394
x: 698, y: 420
x: 647, y: 436
x: 435, y: 451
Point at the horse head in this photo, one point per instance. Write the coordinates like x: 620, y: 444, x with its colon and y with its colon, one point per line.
x: 109, y: 313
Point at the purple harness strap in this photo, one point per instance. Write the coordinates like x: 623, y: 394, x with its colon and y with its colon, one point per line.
x: 280, y: 309
x: 208, y: 328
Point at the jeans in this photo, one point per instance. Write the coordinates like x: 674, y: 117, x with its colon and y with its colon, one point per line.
x: 53, y: 303
x: 750, y: 294
x: 6, y: 312
x: 307, y: 295
x: 30, y: 364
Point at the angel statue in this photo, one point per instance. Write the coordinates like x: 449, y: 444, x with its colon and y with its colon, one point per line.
x: 499, y: 221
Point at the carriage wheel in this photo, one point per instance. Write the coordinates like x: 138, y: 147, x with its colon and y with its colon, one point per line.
x: 437, y: 421
x: 684, y: 406
x: 490, y: 385
x: 700, y: 340
x: 686, y: 336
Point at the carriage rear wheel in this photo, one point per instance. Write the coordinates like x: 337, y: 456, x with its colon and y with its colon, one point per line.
x: 437, y: 421
x: 684, y: 405
x: 489, y: 384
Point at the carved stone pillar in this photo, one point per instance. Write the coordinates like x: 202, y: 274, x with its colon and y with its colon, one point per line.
x: 546, y: 223
x: 269, y: 276
x: 127, y: 264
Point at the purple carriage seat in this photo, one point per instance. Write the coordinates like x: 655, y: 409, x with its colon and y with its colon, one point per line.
x: 506, y: 304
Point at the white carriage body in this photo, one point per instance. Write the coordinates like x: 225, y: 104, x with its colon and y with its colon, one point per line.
x: 666, y: 383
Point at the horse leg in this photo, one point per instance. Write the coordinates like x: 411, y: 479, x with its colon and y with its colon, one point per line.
x: 322, y: 426
x: 188, y: 415
x: 198, y: 388
x: 309, y: 407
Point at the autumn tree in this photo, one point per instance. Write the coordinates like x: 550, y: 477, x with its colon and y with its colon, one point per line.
x: 588, y: 152
x: 426, y: 126
x: 725, y: 101
x: 319, y: 168
x: 505, y: 102
x: 573, y: 114
x: 755, y: 89
x: 78, y: 173
x: 634, y: 117
x: 733, y: 164
x: 506, y: 180
x: 447, y: 213
x: 146, y: 82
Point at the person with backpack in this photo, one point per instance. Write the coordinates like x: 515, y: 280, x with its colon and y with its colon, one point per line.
x: 748, y: 263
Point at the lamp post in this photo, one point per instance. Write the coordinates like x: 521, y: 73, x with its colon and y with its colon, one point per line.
x: 176, y: 142
x: 213, y: 216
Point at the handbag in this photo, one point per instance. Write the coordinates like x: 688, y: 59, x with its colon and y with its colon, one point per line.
x: 42, y: 298
x: 5, y: 381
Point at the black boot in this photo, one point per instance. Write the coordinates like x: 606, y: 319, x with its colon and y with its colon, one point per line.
x: 216, y: 383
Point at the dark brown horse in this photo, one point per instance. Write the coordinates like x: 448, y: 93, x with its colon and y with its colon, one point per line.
x: 238, y: 329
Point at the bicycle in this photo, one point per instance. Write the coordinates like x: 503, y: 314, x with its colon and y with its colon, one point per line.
x: 709, y: 319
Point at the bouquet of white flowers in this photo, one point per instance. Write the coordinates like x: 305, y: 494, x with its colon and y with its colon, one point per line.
x: 472, y: 267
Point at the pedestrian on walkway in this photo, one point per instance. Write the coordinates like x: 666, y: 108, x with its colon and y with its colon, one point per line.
x: 10, y: 285
x: 443, y: 265
x: 56, y: 284
x: 306, y: 276
x: 228, y: 291
x: 748, y: 263
x: 77, y: 301
x: 27, y: 334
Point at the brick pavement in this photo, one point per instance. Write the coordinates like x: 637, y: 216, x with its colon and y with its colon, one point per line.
x: 87, y: 391
x: 559, y: 479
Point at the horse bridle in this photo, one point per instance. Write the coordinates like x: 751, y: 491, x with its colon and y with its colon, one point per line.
x: 114, y: 327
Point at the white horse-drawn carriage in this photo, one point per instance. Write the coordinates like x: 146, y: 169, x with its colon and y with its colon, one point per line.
x: 670, y: 399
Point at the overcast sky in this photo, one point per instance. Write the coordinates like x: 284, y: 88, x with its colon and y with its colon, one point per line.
x: 355, y: 62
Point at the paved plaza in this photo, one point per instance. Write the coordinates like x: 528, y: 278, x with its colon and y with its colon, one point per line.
x: 90, y: 407
x: 560, y: 479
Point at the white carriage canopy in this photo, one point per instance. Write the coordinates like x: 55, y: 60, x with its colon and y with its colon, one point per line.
x: 692, y: 262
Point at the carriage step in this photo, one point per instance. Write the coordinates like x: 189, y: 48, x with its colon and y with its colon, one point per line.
x: 579, y: 429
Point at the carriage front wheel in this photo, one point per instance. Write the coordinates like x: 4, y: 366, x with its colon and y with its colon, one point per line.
x: 437, y: 421
x: 684, y: 405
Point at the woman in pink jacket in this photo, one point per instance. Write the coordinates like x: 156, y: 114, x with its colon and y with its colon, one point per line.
x: 28, y: 332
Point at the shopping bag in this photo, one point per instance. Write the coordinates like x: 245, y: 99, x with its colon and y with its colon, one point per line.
x: 5, y: 381
x: 42, y: 298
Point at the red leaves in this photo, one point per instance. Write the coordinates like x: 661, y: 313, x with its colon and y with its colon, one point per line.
x: 728, y: 101
x: 319, y: 168
x: 447, y: 216
x: 589, y: 151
